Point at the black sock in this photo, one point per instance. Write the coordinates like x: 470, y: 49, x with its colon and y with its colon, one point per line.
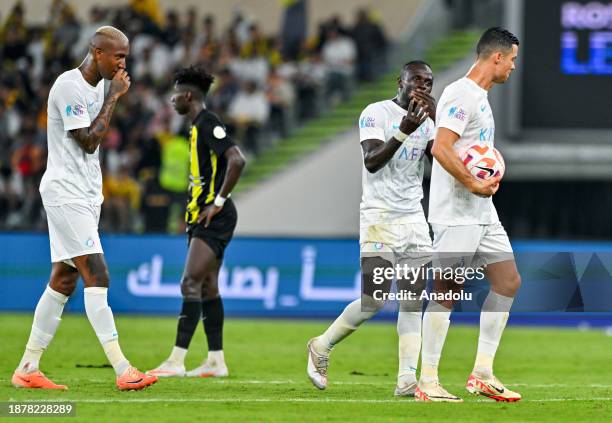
x: 188, y: 322
x: 212, y: 316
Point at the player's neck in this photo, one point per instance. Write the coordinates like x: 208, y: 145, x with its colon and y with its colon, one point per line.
x: 195, y: 110
x: 478, y: 73
x: 89, y: 71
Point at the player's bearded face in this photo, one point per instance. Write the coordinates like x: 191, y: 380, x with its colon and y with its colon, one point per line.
x: 110, y: 58
x: 413, y: 80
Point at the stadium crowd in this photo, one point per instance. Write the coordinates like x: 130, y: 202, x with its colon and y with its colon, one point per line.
x: 265, y: 85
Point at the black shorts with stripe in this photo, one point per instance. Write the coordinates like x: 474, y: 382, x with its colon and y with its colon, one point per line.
x: 220, y: 231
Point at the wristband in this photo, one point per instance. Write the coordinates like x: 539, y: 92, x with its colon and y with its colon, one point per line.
x: 219, y: 201
x: 400, y: 136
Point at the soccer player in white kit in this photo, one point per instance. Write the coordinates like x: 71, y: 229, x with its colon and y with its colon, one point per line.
x: 464, y: 220
x: 395, y: 136
x: 71, y: 189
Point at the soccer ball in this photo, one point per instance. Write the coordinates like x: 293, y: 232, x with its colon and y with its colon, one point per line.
x: 483, y: 162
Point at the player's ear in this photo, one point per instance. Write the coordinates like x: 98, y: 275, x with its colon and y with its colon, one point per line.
x: 498, y: 57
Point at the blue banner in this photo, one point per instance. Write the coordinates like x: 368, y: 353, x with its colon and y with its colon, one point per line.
x: 296, y: 277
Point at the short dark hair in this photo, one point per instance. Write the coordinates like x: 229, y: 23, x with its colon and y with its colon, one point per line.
x: 495, y: 39
x: 195, y: 76
x: 412, y: 63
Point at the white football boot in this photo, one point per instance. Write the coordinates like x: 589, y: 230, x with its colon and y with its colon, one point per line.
x: 406, y: 385
x: 168, y: 369
x: 209, y: 368
x: 491, y: 388
x: 317, y: 366
x: 433, y: 392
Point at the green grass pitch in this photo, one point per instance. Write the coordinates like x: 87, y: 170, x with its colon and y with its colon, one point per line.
x: 562, y: 374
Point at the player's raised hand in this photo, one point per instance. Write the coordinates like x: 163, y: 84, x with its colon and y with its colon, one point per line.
x: 485, y: 188
x: 417, y: 113
x: 120, y: 83
x: 426, y: 99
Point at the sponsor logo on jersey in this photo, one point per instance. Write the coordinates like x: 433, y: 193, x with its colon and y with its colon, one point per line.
x: 486, y: 134
x: 483, y: 107
x: 457, y: 113
x: 367, y: 122
x: 89, y: 243
x: 75, y: 110
x: 415, y: 153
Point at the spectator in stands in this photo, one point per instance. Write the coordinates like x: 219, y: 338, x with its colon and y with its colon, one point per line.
x: 226, y: 89
x: 371, y: 46
x: 293, y: 32
x: 248, y: 112
x: 339, y: 54
x: 171, y: 34
x: 97, y: 18
x: 281, y: 96
x: 121, y: 200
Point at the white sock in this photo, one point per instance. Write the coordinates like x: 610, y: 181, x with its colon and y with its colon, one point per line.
x: 493, y: 318
x: 216, y: 357
x: 343, y: 326
x: 177, y: 356
x: 409, y: 332
x: 47, y: 318
x: 435, y: 327
x: 101, y: 318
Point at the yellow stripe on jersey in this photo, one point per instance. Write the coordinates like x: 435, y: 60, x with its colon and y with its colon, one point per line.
x: 193, y: 210
x: 213, y: 165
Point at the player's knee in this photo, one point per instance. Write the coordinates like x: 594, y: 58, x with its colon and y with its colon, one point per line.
x: 101, y: 278
x: 515, y: 282
x: 191, y: 288
x: 65, y: 284
x: 210, y: 287
x: 210, y: 293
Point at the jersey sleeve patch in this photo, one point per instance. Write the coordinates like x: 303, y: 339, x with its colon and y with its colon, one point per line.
x: 219, y: 132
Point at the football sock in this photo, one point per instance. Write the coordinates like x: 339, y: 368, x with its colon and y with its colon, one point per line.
x: 177, y: 356
x: 216, y: 357
x: 101, y: 318
x: 212, y: 317
x: 493, y: 318
x: 409, y: 332
x: 343, y: 326
x: 187, y: 323
x: 435, y: 327
x: 47, y: 318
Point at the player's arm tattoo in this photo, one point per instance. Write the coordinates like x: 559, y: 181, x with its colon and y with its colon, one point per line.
x: 376, y: 153
x: 235, y: 165
x: 90, y: 138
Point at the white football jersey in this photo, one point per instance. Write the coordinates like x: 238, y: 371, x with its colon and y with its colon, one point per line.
x: 394, y: 193
x: 464, y: 109
x: 72, y: 175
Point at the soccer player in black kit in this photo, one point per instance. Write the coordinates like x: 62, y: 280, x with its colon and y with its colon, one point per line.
x: 215, y: 167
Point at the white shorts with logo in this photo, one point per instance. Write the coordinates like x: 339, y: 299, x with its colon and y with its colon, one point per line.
x: 73, y: 231
x: 470, y: 245
x: 397, y: 241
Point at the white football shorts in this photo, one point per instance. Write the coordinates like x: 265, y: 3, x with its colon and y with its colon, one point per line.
x: 73, y: 231
x: 397, y: 242
x: 470, y: 245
